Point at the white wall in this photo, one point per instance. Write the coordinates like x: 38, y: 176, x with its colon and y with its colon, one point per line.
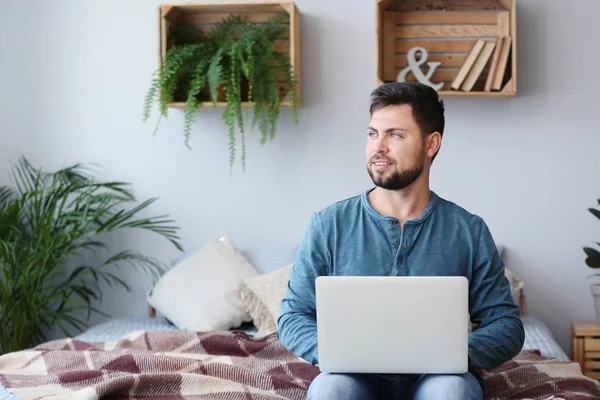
x: 73, y: 75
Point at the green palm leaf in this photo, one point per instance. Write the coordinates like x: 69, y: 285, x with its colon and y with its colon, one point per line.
x: 46, y: 221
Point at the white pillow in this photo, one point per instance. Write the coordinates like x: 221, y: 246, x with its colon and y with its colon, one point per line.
x: 200, y: 292
x: 262, y: 295
x: 516, y: 285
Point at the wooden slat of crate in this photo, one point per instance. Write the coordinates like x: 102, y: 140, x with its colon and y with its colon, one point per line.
x: 229, y: 7
x: 592, y: 343
x: 445, y: 31
x: 389, y: 41
x: 512, y: 6
x: 447, y: 60
x: 592, y: 374
x: 449, y: 17
x: 380, y: 37
x: 436, y: 46
x: 578, y: 349
x: 213, y: 18
x: 282, y: 46
x: 592, y: 364
x: 444, y: 5
x: 443, y: 75
x: 295, y: 48
x: 283, y: 36
x: 446, y: 76
x: 503, y: 22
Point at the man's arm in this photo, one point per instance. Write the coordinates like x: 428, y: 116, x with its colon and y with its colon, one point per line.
x: 297, y: 323
x: 500, y: 334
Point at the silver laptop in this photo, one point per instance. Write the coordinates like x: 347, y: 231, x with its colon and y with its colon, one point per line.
x: 396, y: 325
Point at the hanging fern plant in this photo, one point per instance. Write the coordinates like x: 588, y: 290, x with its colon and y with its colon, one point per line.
x: 233, y: 62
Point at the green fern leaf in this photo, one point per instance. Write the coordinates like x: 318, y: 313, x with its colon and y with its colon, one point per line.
x: 192, y: 104
x: 230, y: 122
x: 176, y: 58
x: 261, y: 117
x: 151, y: 94
x: 234, y: 95
x: 215, y: 72
x: 243, y: 152
x: 250, y: 74
x: 274, y: 114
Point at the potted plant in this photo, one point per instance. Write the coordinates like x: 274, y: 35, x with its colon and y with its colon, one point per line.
x: 50, y: 220
x: 593, y: 261
x: 234, y: 62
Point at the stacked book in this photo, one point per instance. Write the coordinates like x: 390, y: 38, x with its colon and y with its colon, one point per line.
x: 494, y: 52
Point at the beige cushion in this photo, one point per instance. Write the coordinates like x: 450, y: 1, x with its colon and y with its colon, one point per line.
x: 262, y: 295
x: 516, y: 284
x: 200, y: 292
x: 516, y: 287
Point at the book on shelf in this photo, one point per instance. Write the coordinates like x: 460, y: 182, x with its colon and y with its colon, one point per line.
x: 479, y: 65
x: 468, y: 64
x: 494, y: 64
x: 501, y: 75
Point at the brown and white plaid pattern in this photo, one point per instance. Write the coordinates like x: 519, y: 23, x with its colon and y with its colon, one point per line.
x: 159, y: 365
x: 229, y: 365
x: 530, y: 376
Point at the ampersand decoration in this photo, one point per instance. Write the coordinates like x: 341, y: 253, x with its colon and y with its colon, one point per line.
x: 414, y: 67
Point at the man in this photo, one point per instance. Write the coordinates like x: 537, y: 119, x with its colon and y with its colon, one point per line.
x: 403, y: 228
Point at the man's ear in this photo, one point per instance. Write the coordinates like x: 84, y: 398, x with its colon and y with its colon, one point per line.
x: 434, y: 142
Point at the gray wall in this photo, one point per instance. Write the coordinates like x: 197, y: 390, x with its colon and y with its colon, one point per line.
x: 73, y: 75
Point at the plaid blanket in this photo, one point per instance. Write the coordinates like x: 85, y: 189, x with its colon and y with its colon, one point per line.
x: 159, y: 365
x: 229, y: 365
x: 530, y: 376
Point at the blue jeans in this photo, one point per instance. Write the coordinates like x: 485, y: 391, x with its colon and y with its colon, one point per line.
x: 394, y: 387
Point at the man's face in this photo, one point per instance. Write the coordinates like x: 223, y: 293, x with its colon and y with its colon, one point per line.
x: 395, y: 148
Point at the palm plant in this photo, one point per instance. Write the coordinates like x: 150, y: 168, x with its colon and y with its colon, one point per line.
x: 593, y: 255
x: 46, y: 222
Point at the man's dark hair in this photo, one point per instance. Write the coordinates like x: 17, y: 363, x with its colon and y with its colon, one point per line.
x: 427, y: 108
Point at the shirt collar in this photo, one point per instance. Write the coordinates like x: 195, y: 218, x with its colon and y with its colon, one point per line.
x: 424, y: 215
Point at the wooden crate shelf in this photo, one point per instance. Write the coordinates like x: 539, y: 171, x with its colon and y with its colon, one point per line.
x: 205, y: 15
x: 585, y: 336
x: 448, y: 31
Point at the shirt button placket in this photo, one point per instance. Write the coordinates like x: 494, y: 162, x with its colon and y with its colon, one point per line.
x: 395, y: 233
x: 396, y: 242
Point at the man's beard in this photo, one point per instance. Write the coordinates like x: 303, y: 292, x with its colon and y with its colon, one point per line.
x: 397, y: 180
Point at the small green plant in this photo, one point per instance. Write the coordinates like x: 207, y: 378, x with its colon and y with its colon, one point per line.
x: 233, y: 62
x: 593, y: 255
x: 50, y: 219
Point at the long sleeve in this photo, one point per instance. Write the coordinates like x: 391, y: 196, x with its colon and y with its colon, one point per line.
x: 297, y: 323
x: 500, y: 334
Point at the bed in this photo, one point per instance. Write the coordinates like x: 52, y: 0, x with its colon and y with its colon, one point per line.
x: 150, y: 356
x: 205, y: 350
